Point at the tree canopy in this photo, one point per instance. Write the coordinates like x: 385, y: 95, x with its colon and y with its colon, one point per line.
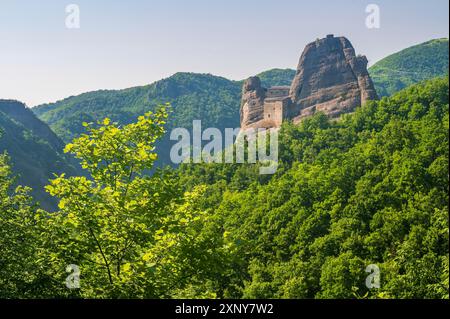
x: 352, y: 198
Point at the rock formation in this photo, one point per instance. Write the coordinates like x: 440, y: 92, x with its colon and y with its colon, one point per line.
x: 330, y: 78
x: 252, y: 103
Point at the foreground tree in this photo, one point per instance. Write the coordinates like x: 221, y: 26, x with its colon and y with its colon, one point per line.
x: 15, y: 217
x: 22, y: 274
x: 130, y: 235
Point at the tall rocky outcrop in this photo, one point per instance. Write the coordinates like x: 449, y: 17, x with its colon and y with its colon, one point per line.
x: 252, y: 103
x: 330, y: 78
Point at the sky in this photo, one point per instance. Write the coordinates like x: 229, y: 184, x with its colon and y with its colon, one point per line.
x: 120, y: 44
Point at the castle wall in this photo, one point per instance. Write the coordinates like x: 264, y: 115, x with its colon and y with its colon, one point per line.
x: 273, y: 112
x: 277, y: 92
x: 276, y: 111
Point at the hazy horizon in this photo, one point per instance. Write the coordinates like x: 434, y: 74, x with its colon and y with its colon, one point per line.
x: 122, y: 45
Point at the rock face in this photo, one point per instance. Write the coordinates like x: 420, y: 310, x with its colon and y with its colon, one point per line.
x: 252, y: 103
x: 330, y: 78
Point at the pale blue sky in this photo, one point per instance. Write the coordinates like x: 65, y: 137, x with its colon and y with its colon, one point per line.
x: 127, y: 43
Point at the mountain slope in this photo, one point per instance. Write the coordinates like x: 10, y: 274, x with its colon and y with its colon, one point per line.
x: 393, y: 73
x: 409, y: 66
x: 371, y: 189
x: 192, y: 96
x: 216, y: 100
x: 276, y: 77
x: 35, y: 151
x: 212, y: 99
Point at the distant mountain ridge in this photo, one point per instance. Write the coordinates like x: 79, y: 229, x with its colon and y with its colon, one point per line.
x: 204, y: 96
x: 409, y: 66
x: 36, y: 152
x: 213, y: 99
x: 276, y: 77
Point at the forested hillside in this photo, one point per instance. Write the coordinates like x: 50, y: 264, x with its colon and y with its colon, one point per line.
x: 215, y: 100
x: 232, y: 159
x: 36, y: 152
x: 409, y: 66
x: 276, y: 77
x: 371, y: 188
x: 192, y: 96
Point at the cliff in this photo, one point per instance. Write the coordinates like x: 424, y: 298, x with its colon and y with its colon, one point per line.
x: 36, y: 152
x: 329, y: 78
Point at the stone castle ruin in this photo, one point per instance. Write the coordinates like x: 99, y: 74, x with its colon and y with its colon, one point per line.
x: 330, y: 78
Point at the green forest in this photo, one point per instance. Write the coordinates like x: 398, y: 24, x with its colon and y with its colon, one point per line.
x: 36, y: 152
x: 409, y: 66
x: 368, y: 189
